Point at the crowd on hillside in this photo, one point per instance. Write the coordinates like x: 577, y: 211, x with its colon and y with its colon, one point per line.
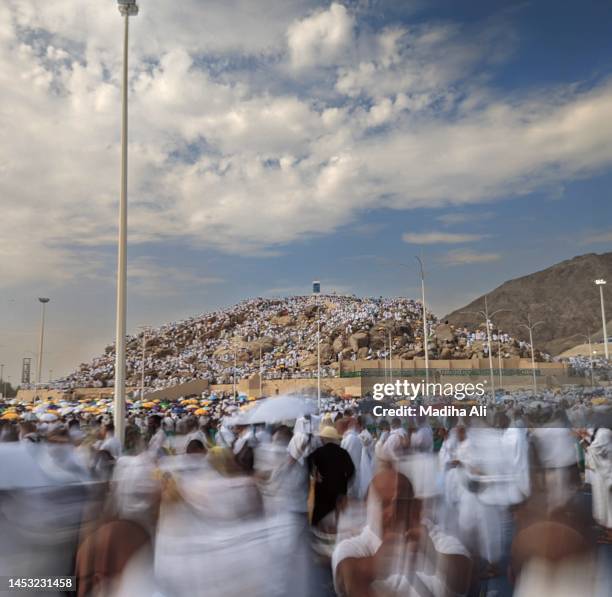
x: 229, y: 343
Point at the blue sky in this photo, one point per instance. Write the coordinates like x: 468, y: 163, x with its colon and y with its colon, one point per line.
x: 296, y: 140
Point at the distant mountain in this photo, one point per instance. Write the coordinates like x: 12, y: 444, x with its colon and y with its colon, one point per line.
x: 563, y: 296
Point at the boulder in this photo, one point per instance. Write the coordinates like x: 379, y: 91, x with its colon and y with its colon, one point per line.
x: 243, y: 356
x: 222, y: 351
x: 326, y: 352
x: 310, y: 311
x: 444, y: 332
x: 378, y: 341
x: 446, y: 353
x: 347, y: 353
x: 338, y: 344
x: 363, y: 352
x: 163, y: 352
x: 359, y: 340
x: 283, y: 320
x: 266, y: 344
x: 309, y: 362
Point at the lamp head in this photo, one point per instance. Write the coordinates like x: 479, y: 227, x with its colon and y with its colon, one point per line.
x: 43, y: 299
x: 600, y: 281
x: 127, y: 7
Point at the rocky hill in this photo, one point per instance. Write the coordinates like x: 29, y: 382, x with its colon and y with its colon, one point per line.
x: 279, y: 335
x: 563, y: 296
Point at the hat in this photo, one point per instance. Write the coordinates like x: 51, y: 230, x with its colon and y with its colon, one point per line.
x: 329, y: 432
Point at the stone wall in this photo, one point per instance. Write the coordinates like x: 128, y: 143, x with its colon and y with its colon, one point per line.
x: 550, y: 375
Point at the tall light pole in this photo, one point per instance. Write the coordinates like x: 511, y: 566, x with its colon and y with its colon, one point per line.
x: 487, y: 319
x: 234, y: 373
x: 425, y: 339
x: 316, y: 290
x: 588, y: 338
x: 127, y: 8
x: 531, y: 326
x: 499, y: 360
x: 43, y: 302
x: 144, y: 329
x: 601, y: 283
x: 390, y: 359
x: 260, y: 373
x: 2, y: 378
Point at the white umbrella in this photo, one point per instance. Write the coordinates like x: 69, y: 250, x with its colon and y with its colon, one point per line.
x: 47, y: 418
x: 283, y: 408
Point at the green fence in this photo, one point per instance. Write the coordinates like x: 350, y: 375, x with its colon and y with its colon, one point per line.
x: 400, y: 373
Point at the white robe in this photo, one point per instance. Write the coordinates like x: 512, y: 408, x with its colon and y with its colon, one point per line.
x: 366, y: 470
x: 210, y: 540
x: 599, y: 461
x: 352, y: 444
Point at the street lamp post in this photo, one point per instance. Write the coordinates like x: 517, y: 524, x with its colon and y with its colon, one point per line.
x: 260, y: 373
x: 144, y: 329
x: 601, y: 283
x: 487, y: 318
x: 390, y: 359
x: 43, y: 302
x: 234, y: 374
x: 2, y: 378
x: 316, y: 289
x: 127, y: 8
x: 499, y: 360
x: 588, y: 338
x: 425, y: 339
x: 531, y: 326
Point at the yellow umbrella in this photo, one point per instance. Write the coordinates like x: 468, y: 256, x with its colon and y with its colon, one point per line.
x: 201, y: 411
x: 205, y: 402
x: 148, y: 405
x: 10, y: 416
x: 191, y: 407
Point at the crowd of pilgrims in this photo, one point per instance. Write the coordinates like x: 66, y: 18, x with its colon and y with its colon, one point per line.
x: 205, y: 347
x: 342, y: 503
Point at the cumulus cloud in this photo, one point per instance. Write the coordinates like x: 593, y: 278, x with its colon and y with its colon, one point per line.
x: 598, y: 238
x: 321, y: 39
x: 468, y: 257
x: 147, y: 277
x: 452, y: 218
x: 226, y: 152
x: 436, y: 238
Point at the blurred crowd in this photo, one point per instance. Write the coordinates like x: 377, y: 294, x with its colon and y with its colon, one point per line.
x: 247, y: 501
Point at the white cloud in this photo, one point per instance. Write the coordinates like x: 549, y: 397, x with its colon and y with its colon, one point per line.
x: 597, y: 238
x: 221, y: 157
x: 452, y: 218
x: 436, y: 238
x: 468, y: 257
x: 321, y: 39
x: 148, y: 278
